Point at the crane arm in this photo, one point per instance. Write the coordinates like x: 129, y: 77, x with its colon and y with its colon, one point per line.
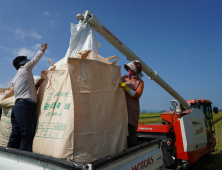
x: 87, y: 17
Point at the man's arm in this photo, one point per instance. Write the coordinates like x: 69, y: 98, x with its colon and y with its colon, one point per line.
x: 37, y: 57
x: 44, y: 46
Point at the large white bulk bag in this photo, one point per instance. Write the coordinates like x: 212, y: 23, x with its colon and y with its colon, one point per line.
x: 82, y: 114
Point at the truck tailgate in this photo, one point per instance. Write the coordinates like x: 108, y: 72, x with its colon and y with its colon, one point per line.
x: 147, y: 155
x: 144, y: 156
x: 14, y: 159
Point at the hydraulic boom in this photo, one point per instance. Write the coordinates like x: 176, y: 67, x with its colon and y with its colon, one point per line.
x: 90, y: 18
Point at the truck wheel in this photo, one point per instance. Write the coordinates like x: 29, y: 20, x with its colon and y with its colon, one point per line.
x: 215, y: 142
x: 171, y: 167
x: 209, y: 142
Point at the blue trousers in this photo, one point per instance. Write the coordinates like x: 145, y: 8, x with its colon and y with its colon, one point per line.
x: 23, y: 125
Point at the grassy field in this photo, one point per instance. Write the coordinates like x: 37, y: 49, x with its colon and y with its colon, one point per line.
x: 148, y: 118
x: 215, y: 161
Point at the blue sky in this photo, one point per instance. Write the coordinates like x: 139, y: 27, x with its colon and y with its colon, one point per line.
x: 180, y: 39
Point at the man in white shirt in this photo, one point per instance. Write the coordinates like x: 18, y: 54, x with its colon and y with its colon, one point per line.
x: 23, y: 113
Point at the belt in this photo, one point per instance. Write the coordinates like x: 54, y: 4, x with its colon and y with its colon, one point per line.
x: 25, y: 101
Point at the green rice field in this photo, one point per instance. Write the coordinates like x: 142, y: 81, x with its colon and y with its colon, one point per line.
x: 148, y: 118
x: 215, y: 161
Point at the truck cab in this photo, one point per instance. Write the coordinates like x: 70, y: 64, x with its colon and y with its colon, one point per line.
x: 206, y: 107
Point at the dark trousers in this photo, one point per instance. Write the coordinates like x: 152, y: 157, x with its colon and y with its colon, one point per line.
x: 23, y: 125
x: 132, y: 138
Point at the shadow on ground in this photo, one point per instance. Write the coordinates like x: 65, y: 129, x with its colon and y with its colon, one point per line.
x: 212, y: 161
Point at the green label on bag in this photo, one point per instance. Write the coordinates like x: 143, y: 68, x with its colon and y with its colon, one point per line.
x: 5, y: 132
x: 51, y: 107
x: 6, y: 121
x: 56, y: 105
x: 59, y: 94
x: 7, y: 114
x: 50, y: 130
x: 53, y: 114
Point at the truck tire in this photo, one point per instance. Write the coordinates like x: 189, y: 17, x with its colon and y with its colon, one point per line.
x: 215, y: 142
x: 172, y: 167
x: 210, y: 142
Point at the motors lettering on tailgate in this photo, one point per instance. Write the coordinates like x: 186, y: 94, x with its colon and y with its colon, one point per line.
x: 144, y: 164
x: 198, y: 131
x: 111, y: 34
x: 145, y: 128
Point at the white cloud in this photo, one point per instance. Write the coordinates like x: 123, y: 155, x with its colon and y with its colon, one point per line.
x: 35, y: 35
x: 29, y: 52
x: 24, y: 52
x: 20, y: 34
x: 6, y: 84
x: 49, y: 14
x: 4, y: 48
x: 6, y: 27
x: 36, y: 47
x: 52, y: 23
x: 46, y: 13
x: 44, y: 61
x: 9, y: 59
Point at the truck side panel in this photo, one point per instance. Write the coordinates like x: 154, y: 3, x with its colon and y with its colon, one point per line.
x: 9, y: 161
x: 146, y: 155
x: 149, y: 158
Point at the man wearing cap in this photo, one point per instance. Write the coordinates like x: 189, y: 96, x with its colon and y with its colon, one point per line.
x: 23, y: 113
x: 133, y: 86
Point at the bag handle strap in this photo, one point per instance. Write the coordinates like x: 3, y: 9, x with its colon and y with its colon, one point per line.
x: 52, y: 67
x: 9, y: 88
x: 3, y: 91
x: 49, y: 82
x: 113, y: 57
x: 84, y: 54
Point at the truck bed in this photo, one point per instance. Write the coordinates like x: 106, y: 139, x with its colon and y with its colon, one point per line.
x: 147, y: 154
